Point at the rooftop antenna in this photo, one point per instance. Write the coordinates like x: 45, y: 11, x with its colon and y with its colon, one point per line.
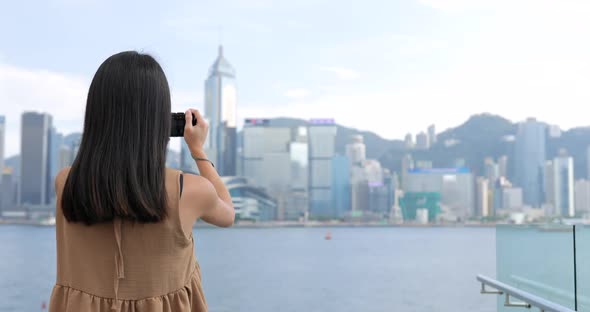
x: 220, y: 39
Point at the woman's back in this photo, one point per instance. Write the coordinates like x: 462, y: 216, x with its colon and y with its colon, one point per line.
x: 127, y: 266
x: 123, y: 243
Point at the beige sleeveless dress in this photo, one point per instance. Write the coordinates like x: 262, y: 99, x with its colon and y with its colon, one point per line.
x: 127, y: 266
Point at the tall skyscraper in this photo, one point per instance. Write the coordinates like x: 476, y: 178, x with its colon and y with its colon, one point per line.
x: 373, y: 171
x: 220, y: 110
x: 567, y: 191
x: 341, y: 195
x: 276, y: 158
x: 432, y: 134
x: 2, y: 135
x: 266, y: 156
x: 7, y: 189
x: 559, y: 186
x: 356, y: 151
x: 582, y: 197
x: 498, y: 193
x: 482, y: 197
x: 322, y: 145
x: 530, y: 156
x: 409, y: 141
x: 549, y: 189
x: 368, y: 187
x: 297, y: 200
x: 299, y: 151
x: 503, y: 166
x: 422, y: 141
x: 491, y: 170
x: 554, y: 131
x: 407, y: 165
x: 35, y: 180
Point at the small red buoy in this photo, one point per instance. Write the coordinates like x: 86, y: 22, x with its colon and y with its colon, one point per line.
x: 328, y: 236
x: 43, y: 305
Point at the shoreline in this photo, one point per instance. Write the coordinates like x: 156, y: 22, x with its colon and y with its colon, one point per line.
x: 269, y: 225
x: 347, y: 225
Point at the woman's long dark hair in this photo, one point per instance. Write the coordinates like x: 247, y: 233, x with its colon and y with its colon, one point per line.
x: 119, y: 170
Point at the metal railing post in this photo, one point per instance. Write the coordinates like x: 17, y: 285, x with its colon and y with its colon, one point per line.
x: 507, y: 303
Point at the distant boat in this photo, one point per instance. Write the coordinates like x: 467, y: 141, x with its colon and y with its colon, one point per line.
x: 328, y: 236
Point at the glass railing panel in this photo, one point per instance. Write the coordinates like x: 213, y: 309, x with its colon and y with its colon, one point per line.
x: 583, y: 266
x: 538, y: 259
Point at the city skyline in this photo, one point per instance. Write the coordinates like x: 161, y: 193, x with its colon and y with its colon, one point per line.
x: 175, y: 146
x: 346, y: 184
x: 450, y: 59
x: 263, y: 163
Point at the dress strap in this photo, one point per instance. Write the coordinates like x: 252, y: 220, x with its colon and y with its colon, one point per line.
x: 180, y: 185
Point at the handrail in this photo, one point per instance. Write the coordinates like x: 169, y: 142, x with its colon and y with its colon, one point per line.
x: 528, y: 299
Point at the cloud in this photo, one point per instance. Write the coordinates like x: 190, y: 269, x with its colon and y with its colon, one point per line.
x: 182, y: 100
x: 297, y: 93
x: 75, y: 2
x: 341, y: 72
x: 454, y: 5
x: 62, y: 95
x: 563, y: 15
x: 551, y: 89
x: 21, y: 89
x: 217, y: 22
x: 276, y: 85
x: 412, y: 46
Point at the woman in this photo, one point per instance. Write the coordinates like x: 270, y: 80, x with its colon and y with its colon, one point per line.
x: 124, y: 220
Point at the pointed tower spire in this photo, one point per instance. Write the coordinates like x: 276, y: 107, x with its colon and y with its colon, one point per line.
x: 221, y: 65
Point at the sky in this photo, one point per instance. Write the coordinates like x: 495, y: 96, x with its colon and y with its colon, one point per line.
x: 391, y: 67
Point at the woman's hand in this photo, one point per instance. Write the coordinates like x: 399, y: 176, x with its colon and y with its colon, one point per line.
x: 195, y: 136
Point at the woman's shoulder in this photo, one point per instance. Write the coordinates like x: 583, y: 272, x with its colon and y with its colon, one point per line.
x: 197, y: 182
x: 62, y: 175
x: 198, y: 188
x: 193, y: 183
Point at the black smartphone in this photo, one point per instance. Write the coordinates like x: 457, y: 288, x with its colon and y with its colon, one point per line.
x: 177, y: 124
